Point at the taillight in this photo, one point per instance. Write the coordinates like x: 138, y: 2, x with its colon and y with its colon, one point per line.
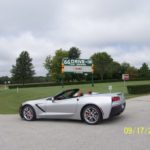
x: 116, y: 98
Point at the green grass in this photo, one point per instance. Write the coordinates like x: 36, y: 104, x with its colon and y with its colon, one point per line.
x: 10, y: 100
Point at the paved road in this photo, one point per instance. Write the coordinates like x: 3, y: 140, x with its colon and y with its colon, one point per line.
x: 16, y: 134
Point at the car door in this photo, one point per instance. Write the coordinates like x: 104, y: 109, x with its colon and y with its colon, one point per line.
x: 61, y: 108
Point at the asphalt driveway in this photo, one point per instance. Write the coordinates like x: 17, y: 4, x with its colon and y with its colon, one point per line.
x: 129, y: 131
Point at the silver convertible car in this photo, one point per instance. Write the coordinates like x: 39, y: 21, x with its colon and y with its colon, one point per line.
x: 91, y: 107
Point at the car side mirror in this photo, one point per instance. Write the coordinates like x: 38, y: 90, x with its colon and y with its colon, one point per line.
x: 53, y: 100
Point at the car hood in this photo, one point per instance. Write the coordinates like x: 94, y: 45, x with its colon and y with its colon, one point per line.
x: 38, y: 101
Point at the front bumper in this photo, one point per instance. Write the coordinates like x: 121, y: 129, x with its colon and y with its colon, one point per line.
x: 116, y: 110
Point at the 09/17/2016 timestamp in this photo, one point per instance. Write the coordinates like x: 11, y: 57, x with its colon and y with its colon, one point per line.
x: 136, y: 130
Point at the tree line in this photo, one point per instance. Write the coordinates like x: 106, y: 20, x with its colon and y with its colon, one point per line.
x: 105, y: 68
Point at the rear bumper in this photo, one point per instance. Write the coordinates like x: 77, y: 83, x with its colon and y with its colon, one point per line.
x: 116, y: 110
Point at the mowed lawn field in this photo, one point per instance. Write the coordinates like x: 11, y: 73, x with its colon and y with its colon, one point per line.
x: 10, y: 99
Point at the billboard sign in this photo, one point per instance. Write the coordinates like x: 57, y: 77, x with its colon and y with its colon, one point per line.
x: 77, y: 65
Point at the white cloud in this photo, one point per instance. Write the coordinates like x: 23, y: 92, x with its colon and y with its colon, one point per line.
x: 134, y: 55
x: 11, y: 47
x: 120, y: 28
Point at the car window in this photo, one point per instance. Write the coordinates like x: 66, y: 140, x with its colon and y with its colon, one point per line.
x: 66, y: 94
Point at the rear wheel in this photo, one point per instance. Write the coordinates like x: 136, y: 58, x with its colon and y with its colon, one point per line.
x: 28, y: 113
x: 91, y: 114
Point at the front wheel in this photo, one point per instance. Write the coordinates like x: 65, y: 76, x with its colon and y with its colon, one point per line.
x: 91, y: 114
x: 28, y: 113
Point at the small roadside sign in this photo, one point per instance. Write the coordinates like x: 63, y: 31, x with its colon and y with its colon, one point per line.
x: 125, y: 77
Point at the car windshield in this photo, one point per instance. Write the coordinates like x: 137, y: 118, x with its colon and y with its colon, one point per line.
x: 66, y: 94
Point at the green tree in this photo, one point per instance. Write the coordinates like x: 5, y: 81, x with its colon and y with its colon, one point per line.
x: 74, y: 53
x: 23, y: 71
x: 124, y: 67
x: 144, y: 71
x: 133, y: 72
x: 48, y: 65
x: 56, y: 64
x: 114, y: 70
x: 4, y: 79
x: 102, y: 62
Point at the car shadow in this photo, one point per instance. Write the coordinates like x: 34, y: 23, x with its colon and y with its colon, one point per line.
x: 112, y: 120
x: 60, y: 120
x: 115, y: 119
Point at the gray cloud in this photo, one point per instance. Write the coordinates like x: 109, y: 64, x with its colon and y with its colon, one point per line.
x: 19, y: 16
x: 120, y: 28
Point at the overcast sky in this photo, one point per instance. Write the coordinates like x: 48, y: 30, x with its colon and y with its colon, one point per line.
x: 119, y: 27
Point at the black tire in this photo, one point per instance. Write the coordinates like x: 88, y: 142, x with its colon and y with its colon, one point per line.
x: 91, y: 114
x: 28, y: 113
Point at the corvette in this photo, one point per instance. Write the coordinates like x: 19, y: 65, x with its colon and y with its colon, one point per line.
x: 90, y: 107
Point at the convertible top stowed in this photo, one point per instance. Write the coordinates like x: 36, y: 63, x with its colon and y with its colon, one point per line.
x: 91, y: 107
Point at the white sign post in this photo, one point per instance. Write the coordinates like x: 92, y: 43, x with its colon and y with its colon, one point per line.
x: 110, y: 88
x: 5, y: 85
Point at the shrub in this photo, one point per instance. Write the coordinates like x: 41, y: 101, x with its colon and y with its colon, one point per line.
x: 44, y: 84
x: 31, y: 85
x: 138, y: 89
